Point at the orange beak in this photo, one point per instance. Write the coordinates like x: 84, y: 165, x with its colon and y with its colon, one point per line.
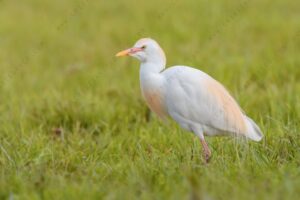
x: 127, y: 52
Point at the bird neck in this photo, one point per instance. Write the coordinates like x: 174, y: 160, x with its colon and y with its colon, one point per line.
x: 150, y: 76
x: 152, y: 87
x: 148, y: 68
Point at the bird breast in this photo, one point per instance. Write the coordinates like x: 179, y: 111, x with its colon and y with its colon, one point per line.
x: 154, y: 100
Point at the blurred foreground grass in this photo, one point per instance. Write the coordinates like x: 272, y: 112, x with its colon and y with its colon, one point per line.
x: 73, y: 124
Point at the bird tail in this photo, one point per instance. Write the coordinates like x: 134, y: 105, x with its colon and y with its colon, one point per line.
x: 253, y: 131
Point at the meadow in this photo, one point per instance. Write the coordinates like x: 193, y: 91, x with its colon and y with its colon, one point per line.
x: 73, y: 124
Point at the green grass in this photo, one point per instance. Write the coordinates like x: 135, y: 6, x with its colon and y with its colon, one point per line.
x: 73, y: 124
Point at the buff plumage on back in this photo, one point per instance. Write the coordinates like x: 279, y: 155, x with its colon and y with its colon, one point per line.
x: 233, y: 118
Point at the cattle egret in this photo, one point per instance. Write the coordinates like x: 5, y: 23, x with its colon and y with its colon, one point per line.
x: 195, y: 100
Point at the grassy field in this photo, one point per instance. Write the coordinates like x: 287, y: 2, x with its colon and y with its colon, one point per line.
x: 73, y: 124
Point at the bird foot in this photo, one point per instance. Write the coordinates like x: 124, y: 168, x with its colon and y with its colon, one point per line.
x: 206, y: 151
x: 207, y: 156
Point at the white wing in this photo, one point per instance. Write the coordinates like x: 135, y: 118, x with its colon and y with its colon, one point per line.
x: 196, y: 97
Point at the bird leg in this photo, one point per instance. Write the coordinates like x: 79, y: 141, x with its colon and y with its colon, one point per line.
x: 206, y: 150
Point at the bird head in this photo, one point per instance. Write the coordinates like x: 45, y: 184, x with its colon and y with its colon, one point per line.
x: 145, y: 50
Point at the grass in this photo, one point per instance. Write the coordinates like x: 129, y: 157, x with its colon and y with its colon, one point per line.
x: 73, y: 124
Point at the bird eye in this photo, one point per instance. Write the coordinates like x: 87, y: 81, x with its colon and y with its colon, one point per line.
x: 143, y: 47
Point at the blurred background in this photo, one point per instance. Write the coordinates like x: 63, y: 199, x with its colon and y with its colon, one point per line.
x: 73, y: 123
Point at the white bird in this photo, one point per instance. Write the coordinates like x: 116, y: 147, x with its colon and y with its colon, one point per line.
x: 195, y: 100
